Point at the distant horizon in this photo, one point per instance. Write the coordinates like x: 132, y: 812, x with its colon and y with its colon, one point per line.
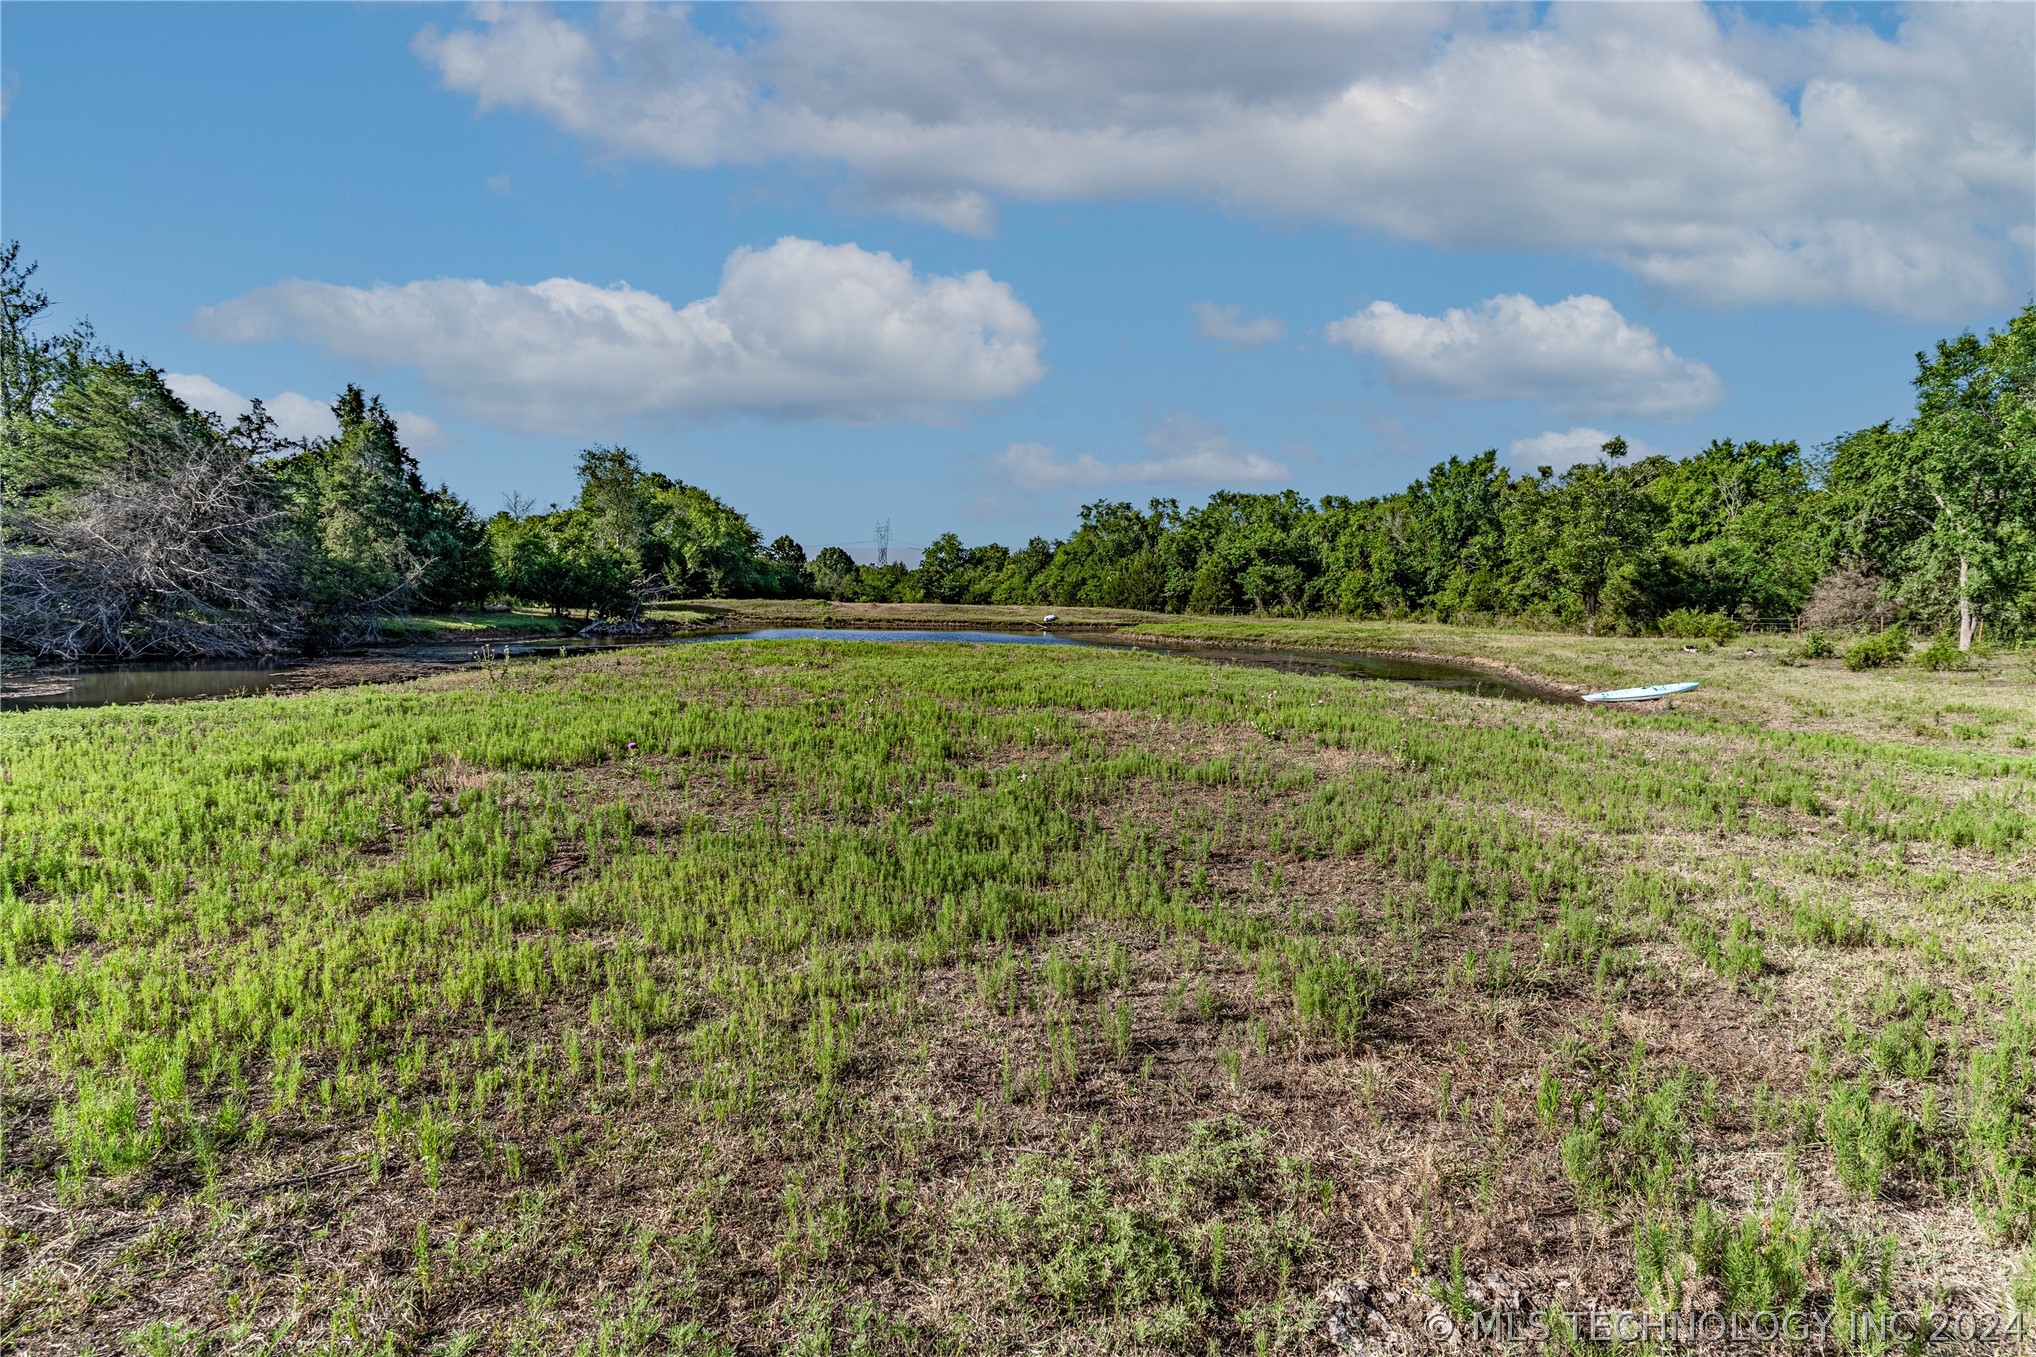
x: 833, y: 266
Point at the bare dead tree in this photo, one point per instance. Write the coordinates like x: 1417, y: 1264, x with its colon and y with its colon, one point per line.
x: 183, y: 550
x: 1847, y: 599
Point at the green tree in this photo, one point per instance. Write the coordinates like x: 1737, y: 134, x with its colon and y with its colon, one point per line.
x: 1450, y: 530
x: 33, y: 366
x: 986, y: 565
x: 527, y: 563
x: 1947, y: 505
x: 1017, y: 579
x: 1111, y: 559
x: 1262, y: 549
x: 561, y: 561
x: 833, y: 572
x: 1597, y: 520
x: 944, y: 570
x: 452, y: 542
x: 887, y: 583
x: 1369, y: 560
x: 379, y: 540
x: 616, y: 498
x: 710, y: 550
x: 354, y: 498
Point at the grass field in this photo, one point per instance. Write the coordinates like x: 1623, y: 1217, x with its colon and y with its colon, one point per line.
x: 843, y: 997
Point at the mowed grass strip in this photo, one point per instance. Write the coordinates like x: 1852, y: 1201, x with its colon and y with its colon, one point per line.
x: 803, y: 995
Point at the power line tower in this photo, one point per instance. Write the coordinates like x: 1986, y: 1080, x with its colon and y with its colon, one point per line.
x: 883, y: 543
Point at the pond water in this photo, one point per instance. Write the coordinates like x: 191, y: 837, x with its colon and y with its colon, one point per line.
x: 162, y: 681
x: 168, y: 681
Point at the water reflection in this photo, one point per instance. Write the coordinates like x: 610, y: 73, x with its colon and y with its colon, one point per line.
x: 164, y: 681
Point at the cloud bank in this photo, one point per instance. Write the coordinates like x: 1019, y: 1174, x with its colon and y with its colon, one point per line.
x: 1578, y: 357
x: 798, y: 330
x: 1729, y: 160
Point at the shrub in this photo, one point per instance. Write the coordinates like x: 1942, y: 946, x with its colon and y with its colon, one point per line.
x: 1942, y: 653
x: 1332, y: 997
x: 1847, y: 599
x: 1763, y: 1265
x: 1876, y: 652
x: 1688, y: 622
x: 1833, y: 923
x: 1817, y: 646
x: 1869, y: 1138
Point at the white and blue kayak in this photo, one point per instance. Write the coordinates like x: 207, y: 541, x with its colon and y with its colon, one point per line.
x: 1646, y: 694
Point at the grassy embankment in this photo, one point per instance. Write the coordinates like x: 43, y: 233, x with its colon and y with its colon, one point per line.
x: 458, y: 626
x: 795, y: 996
x: 509, y: 624
x: 499, y: 625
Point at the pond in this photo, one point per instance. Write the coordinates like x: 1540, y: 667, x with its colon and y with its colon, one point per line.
x: 169, y: 681
x: 159, y: 681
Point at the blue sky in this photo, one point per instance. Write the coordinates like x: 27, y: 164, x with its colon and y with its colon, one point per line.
x: 967, y: 268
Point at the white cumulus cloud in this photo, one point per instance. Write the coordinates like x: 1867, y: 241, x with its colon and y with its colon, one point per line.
x: 1182, y: 451
x: 800, y: 329
x: 298, y: 415
x: 1578, y: 356
x: 1229, y: 326
x: 1711, y: 152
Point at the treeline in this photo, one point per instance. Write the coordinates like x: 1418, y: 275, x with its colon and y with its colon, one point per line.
x: 1738, y: 528
x: 1931, y: 522
x: 134, y: 526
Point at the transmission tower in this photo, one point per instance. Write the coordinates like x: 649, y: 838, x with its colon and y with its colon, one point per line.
x: 884, y: 543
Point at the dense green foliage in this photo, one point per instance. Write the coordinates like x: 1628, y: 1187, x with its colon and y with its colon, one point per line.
x: 635, y: 534
x: 378, y: 536
x: 1946, y: 504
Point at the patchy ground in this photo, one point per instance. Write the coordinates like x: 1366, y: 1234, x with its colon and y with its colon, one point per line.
x: 820, y: 997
